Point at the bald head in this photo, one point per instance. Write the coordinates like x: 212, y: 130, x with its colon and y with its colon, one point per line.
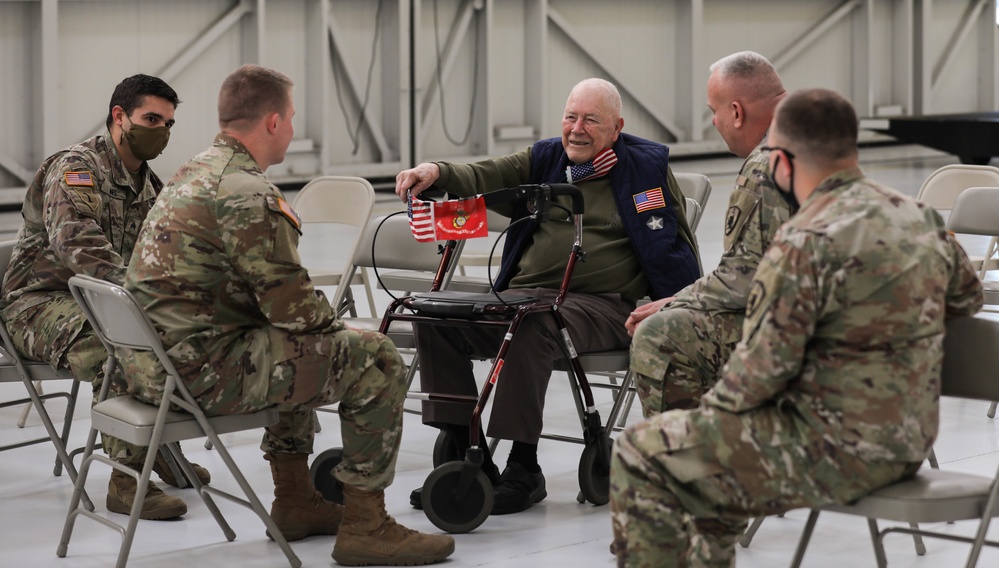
x: 743, y: 90
x: 592, y: 119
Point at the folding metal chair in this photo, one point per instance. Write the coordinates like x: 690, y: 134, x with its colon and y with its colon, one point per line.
x: 335, y: 203
x: 14, y: 368
x: 971, y: 356
x: 976, y: 212
x: 121, y: 323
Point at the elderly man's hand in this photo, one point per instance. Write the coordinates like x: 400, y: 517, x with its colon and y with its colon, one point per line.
x: 416, y: 179
x: 644, y: 311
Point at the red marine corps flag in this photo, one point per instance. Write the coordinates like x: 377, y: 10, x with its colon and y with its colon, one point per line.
x: 440, y: 221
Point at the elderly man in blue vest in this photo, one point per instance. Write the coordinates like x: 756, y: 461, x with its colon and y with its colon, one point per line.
x: 637, y: 242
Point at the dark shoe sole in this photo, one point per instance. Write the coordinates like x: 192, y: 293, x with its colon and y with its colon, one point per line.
x: 163, y: 514
x: 416, y: 498
x: 357, y: 560
x: 500, y: 509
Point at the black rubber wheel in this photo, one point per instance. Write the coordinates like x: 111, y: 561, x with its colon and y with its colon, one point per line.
x: 594, y: 476
x: 321, y: 472
x: 447, y: 448
x: 452, y: 513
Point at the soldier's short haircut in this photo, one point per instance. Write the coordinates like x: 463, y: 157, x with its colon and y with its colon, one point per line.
x: 252, y: 92
x: 758, y: 76
x: 819, y: 124
x: 132, y: 92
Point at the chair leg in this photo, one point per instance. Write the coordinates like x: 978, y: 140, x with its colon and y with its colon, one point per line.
x: 917, y: 541
x: 63, y: 459
x: 747, y: 537
x: 992, y: 409
x: 879, y: 549
x: 173, y: 465
x: 78, y: 492
x: 933, y: 459
x: 806, y: 535
x: 251, y: 500
x: 176, y: 456
x: 27, y: 407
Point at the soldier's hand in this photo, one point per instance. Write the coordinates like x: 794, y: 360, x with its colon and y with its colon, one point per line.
x: 416, y: 179
x: 644, y: 311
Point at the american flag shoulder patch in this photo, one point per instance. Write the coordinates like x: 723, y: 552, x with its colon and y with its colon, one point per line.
x: 79, y: 179
x: 290, y: 213
x: 649, y: 199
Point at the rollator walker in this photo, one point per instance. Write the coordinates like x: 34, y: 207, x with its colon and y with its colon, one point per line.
x: 457, y: 495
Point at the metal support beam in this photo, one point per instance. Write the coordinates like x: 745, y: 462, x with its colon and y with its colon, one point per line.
x: 253, y: 37
x: 350, y: 77
x: 456, y: 37
x: 957, y: 39
x: 672, y: 127
x: 988, y: 58
x: 535, y: 65
x: 17, y: 170
x: 922, y: 83
x: 862, y: 60
x: 804, y: 41
x: 690, y: 65
x: 201, y: 43
x: 51, y: 117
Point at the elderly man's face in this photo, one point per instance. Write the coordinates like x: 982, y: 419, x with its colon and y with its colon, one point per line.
x: 588, y: 126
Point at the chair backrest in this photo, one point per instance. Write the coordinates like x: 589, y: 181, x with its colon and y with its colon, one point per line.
x: 942, y: 187
x: 386, y: 244
x: 116, y: 316
x: 976, y: 212
x: 971, y: 357
x: 693, y: 213
x: 696, y: 187
x: 335, y: 199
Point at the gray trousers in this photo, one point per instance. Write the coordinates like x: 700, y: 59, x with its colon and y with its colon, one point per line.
x: 595, y: 323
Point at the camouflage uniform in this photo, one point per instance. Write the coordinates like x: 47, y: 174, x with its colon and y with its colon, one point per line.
x: 832, y: 391
x: 678, y: 353
x: 218, y: 271
x: 74, y: 224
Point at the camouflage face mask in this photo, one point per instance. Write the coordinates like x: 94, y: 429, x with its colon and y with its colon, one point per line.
x: 146, y: 143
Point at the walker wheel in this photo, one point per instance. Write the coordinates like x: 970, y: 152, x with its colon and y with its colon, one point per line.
x: 594, y: 476
x: 447, y: 449
x: 456, y: 513
x: 323, y: 479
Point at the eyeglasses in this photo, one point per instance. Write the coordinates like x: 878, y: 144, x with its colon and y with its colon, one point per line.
x: 790, y: 154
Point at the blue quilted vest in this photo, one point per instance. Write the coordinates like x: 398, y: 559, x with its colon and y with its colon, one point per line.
x: 668, y: 261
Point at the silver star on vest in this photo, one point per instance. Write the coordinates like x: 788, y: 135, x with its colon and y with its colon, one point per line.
x: 654, y: 223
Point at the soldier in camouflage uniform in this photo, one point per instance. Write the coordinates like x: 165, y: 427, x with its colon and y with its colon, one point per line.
x: 82, y: 214
x: 218, y: 271
x: 677, y: 353
x: 833, y: 390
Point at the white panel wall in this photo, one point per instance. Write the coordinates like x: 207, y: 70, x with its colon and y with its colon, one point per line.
x: 506, y: 68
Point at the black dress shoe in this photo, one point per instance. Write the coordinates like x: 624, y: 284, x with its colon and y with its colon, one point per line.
x: 518, y: 489
x: 416, y: 496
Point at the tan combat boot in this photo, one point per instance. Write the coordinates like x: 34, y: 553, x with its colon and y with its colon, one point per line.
x: 157, y: 505
x: 162, y: 468
x: 298, y: 509
x: 369, y: 536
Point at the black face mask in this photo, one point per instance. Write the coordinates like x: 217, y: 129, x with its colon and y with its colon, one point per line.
x: 789, y: 197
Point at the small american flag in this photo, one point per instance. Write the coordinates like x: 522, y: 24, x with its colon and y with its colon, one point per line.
x: 597, y: 167
x: 649, y: 199
x: 421, y: 219
x: 79, y: 178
